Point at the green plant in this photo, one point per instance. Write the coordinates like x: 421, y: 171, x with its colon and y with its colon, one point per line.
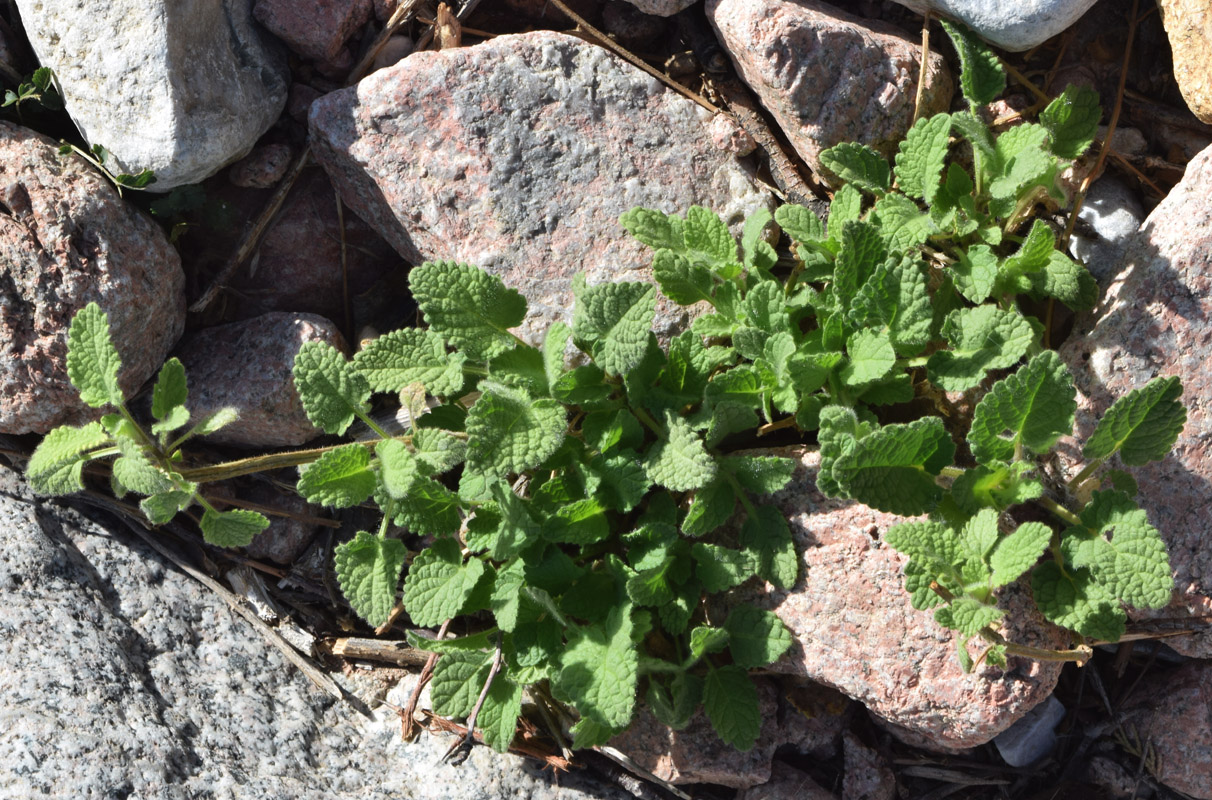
x: 99, y: 157
x: 39, y: 89
x: 577, y: 518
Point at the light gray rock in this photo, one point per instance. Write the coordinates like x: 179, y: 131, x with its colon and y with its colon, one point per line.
x: 66, y: 239
x: 1011, y: 26
x: 1033, y: 736
x: 1114, y: 212
x: 518, y: 155
x: 182, y: 89
x: 122, y: 677
x: 662, y: 8
x: 868, y: 775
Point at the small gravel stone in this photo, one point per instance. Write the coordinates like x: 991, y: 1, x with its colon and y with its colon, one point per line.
x: 1114, y: 212
x: 1011, y: 26
x: 1033, y: 736
x: 262, y: 168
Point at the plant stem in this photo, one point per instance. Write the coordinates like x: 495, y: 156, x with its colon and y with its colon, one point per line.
x: 1080, y: 654
x: 247, y: 466
x: 771, y: 427
x: 1059, y: 510
x: 370, y: 423
x: 643, y: 416
x: 1086, y: 472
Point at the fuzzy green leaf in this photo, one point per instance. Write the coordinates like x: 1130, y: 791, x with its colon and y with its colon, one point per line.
x: 339, y: 478
x: 1072, y: 120
x: 967, y: 615
x: 1033, y: 253
x: 215, y: 421
x: 231, y: 528
x: 680, y: 462
x: 1125, y: 554
x: 1072, y: 600
x: 429, y: 508
x: 580, y: 522
x: 839, y: 430
x: 755, y: 637
x: 438, y: 584
x: 901, y: 223
x: 976, y: 273
x: 859, y: 165
x: 921, y: 156
x: 982, y: 78
x: 871, y: 357
x: 681, y: 281
x: 767, y: 539
x: 138, y: 474
x: 705, y: 639
x: 458, y: 679
x: 161, y: 508
x: 731, y: 702
x: 437, y: 450
x: 170, y: 391
x: 721, y: 568
x: 57, y: 465
x: 897, y: 299
x: 1015, y: 554
x: 713, y: 506
x: 982, y: 338
x: 624, y: 480
x: 799, y: 223
x: 333, y: 393
x: 1067, y: 281
x: 707, y: 239
x: 760, y: 474
x: 1142, y: 425
x: 508, y: 432
x: 862, y: 252
x: 92, y: 361
x: 615, y: 318
x: 893, y: 468
x: 410, y: 355
x: 846, y: 206
x: 397, y: 467
x: 599, y: 670
x: 654, y: 228
x: 932, y: 544
x: 1029, y: 409
x: 468, y: 307
x: 368, y: 569
x: 498, y: 718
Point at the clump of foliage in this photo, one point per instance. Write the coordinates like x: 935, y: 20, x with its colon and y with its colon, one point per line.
x: 39, y: 89
x: 580, y: 516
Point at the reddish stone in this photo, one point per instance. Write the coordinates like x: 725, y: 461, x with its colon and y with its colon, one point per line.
x: 66, y: 238
x: 315, y: 29
x: 1172, y: 714
x: 247, y: 365
x: 828, y: 77
x: 298, y: 103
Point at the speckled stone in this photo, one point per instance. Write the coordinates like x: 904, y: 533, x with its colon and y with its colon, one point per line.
x: 662, y: 8
x: 519, y: 155
x: 1172, y: 711
x: 853, y: 627
x: 1154, y: 320
x: 66, y: 239
x: 868, y: 776
x: 315, y: 29
x: 286, y: 538
x: 696, y: 754
x: 826, y: 76
x: 247, y: 365
x: 787, y: 783
x: 262, y: 168
x: 1189, y: 27
x: 1015, y: 26
x: 180, y: 88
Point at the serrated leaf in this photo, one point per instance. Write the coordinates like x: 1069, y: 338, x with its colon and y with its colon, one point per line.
x: 1018, y: 552
x: 862, y: 252
x: 760, y: 474
x: 921, y: 156
x: 1142, y: 425
x: 721, y: 568
x: 901, y: 223
x: 1067, y: 281
x: 756, y: 637
x: 331, y: 390
x: 368, y: 569
x: 654, y: 228
x: 438, y: 584
x: 429, y: 508
x: 92, y: 361
x: 1034, y: 252
x: 675, y: 707
x: 967, y: 615
x: 731, y: 702
x: 859, y: 165
x: 625, y: 482
x: 508, y: 432
x: 896, y: 298
x: 215, y: 421
x: 580, y: 522
x: 995, y: 485
x: 339, y: 478
x: 498, y: 718
x: 839, y: 430
x: 170, y: 391
x: 599, y: 670
x: 766, y: 538
x: 397, y: 467
x: 1074, y: 601
x: 57, y: 464
x: 555, y: 342
x: 982, y: 78
x: 1030, y: 409
x: 177, y: 417
x: 615, y: 318
x: 799, y: 223
x: 679, y: 462
x: 976, y: 272
x: 681, y: 281
x: 161, y: 508
x: 231, y: 528
x: 871, y: 357
x: 1072, y: 120
x: 893, y: 468
x: 707, y: 239
x: 438, y: 450
x: 705, y: 639
x: 982, y: 338
x: 468, y: 307
x: 932, y: 545
x: 1125, y: 554
x: 712, y: 507
x: 410, y: 355
x: 846, y: 206
x: 458, y: 679
x: 139, y: 475
x: 756, y: 251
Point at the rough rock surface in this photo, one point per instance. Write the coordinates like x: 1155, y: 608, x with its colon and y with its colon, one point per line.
x: 1173, y: 713
x: 519, y: 155
x: 787, y: 783
x: 1154, y: 320
x: 868, y: 776
x: 696, y: 754
x: 286, y: 538
x: 121, y: 676
x: 1114, y: 213
x: 66, y: 239
x: 1011, y: 26
x: 298, y: 264
x: 1189, y: 28
x: 315, y: 29
x: 262, y: 168
x: 662, y: 8
x: 864, y: 638
x: 182, y: 89
x: 827, y: 76
x: 247, y: 365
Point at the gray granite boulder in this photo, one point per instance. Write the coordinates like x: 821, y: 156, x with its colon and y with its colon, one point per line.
x: 518, y: 155
x: 182, y: 89
x: 826, y: 76
x: 120, y: 676
x: 1011, y: 26
x: 67, y: 239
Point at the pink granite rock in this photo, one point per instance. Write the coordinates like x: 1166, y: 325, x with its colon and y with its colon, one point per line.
x: 826, y: 76
x: 519, y: 155
x: 1156, y: 319
x: 787, y: 783
x: 315, y: 29
x: 696, y: 754
x: 868, y: 776
x: 66, y: 238
x: 662, y: 8
x: 1173, y: 713
x: 262, y: 168
x: 247, y: 365
x: 853, y: 628
x: 286, y: 538
x: 299, y: 261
